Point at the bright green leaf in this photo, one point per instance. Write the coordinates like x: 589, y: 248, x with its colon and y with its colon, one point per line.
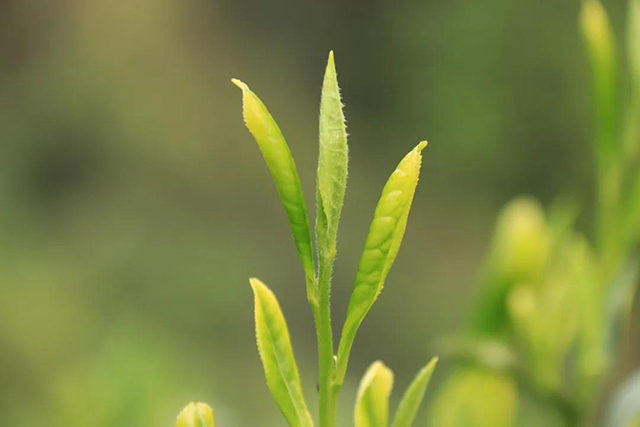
x: 332, y: 163
x: 413, y: 397
x: 196, y: 415
x: 284, y: 172
x: 280, y: 368
x: 372, y: 404
x: 381, y: 248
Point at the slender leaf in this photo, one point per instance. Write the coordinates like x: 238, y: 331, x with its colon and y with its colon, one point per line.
x: 332, y: 180
x: 631, y: 219
x: 600, y: 44
x: 410, y: 403
x: 381, y: 248
x: 601, y: 47
x: 332, y: 163
x: 284, y: 172
x: 632, y: 137
x: 372, y: 404
x: 280, y: 368
x: 196, y: 415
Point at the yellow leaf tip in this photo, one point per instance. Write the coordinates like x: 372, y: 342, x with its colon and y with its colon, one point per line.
x: 331, y: 63
x: 254, y: 282
x: 196, y: 409
x: 259, y: 287
x: 422, y: 145
x: 243, y: 86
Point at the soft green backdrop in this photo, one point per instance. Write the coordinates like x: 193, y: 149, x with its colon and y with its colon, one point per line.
x: 134, y: 205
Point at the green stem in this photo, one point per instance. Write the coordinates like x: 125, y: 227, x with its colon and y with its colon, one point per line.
x: 325, y: 342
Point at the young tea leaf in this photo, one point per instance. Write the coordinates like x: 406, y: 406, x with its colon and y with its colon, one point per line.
x: 280, y: 368
x: 381, y: 248
x: 332, y: 163
x: 372, y: 403
x: 196, y: 415
x: 331, y: 184
x: 284, y: 172
x: 601, y: 47
x: 412, y: 398
x: 600, y: 44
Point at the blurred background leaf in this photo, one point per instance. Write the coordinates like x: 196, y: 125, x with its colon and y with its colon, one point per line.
x: 624, y: 409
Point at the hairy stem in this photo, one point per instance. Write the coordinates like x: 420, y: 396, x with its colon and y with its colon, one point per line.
x: 325, y: 341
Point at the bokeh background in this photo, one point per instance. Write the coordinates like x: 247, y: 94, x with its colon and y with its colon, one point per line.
x: 134, y: 204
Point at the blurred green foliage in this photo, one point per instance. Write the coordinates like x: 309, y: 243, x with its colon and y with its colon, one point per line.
x: 125, y: 241
x: 559, y: 304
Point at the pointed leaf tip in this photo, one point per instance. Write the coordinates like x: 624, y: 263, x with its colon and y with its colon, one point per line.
x: 243, y: 86
x: 413, y: 397
x: 255, y: 283
x: 372, y: 404
x: 422, y: 145
x: 333, y: 161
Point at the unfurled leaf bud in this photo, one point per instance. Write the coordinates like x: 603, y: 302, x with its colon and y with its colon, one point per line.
x: 196, y: 415
x: 522, y: 240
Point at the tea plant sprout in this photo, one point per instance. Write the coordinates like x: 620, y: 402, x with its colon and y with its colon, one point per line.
x: 380, y: 250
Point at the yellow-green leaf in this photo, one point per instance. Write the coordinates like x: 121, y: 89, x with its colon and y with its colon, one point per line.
x: 280, y: 368
x: 410, y: 403
x: 332, y: 163
x: 601, y: 47
x: 476, y: 397
x: 196, y: 415
x: 634, y: 42
x: 381, y: 248
x: 600, y: 44
x: 283, y: 169
x: 521, y: 249
x: 372, y: 404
